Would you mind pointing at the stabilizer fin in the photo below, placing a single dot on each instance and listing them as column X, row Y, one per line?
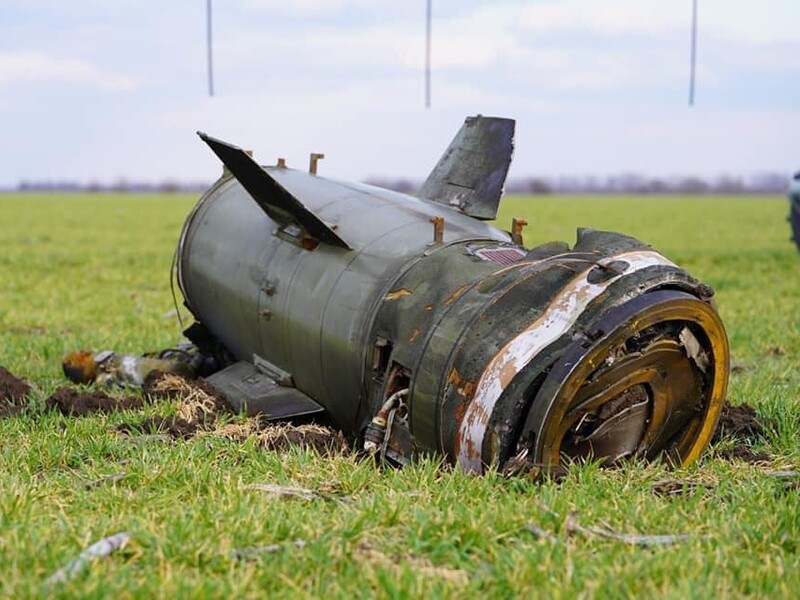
column 471, row 173
column 249, row 390
column 279, row 204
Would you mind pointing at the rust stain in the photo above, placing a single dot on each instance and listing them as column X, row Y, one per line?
column 454, row 377
column 414, row 334
column 456, row 293
column 460, row 411
column 428, row 307
column 467, row 390
column 507, row 372
column 397, row 294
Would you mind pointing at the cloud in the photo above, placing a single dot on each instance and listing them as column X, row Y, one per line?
column 304, row 8
column 20, row 67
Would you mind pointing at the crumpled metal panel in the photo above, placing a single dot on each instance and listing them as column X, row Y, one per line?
column 471, row 173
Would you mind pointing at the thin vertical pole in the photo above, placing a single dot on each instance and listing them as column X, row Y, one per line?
column 693, row 59
column 428, row 54
column 209, row 49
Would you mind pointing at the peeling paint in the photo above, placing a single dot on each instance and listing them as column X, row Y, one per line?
column 456, row 293
column 414, row 334
column 517, row 353
column 397, row 294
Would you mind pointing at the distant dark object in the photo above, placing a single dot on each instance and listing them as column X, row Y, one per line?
column 794, row 208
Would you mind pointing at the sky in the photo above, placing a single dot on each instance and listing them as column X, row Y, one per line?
column 98, row 90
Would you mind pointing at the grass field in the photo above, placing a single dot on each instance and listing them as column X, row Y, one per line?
column 93, row 272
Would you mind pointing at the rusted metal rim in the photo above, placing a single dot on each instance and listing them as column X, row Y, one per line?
column 649, row 381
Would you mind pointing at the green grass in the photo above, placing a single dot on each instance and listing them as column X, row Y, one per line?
column 93, row 272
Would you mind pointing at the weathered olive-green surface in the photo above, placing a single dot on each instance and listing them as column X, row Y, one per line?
column 92, row 271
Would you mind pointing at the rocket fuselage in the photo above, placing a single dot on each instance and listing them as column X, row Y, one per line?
column 472, row 325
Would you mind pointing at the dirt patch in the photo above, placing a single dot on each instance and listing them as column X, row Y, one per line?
column 76, row 403
column 744, row 426
column 13, row 392
column 175, row 427
column 199, row 401
column 162, row 385
column 739, row 422
column 280, row 436
column 200, row 406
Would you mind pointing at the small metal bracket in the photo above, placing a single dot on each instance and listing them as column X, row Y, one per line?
column 313, row 160
column 438, row 229
column 517, row 225
column 280, row 376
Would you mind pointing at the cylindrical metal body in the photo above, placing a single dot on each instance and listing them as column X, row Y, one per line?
column 472, row 325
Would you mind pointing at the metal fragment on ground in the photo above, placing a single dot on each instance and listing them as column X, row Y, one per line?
column 99, row 549
column 636, row 539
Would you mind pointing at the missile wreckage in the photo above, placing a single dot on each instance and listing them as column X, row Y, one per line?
column 418, row 328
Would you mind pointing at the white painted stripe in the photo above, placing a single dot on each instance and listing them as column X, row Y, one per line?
column 561, row 314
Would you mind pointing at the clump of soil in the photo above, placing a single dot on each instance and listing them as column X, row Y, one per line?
column 173, row 426
column 745, row 427
column 280, row 436
column 199, row 401
column 740, row 422
column 200, row 406
column 75, row 403
column 13, row 391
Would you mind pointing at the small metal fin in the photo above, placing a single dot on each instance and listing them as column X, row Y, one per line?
column 250, row 391
column 271, row 196
column 471, row 173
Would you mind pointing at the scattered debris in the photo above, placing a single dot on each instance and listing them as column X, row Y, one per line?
column 571, row 526
column 256, row 552
column 636, row 539
column 99, row 549
column 677, row 487
column 418, row 564
column 13, row 392
column 200, row 405
column 76, row 403
column 109, row 369
column 776, row 351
